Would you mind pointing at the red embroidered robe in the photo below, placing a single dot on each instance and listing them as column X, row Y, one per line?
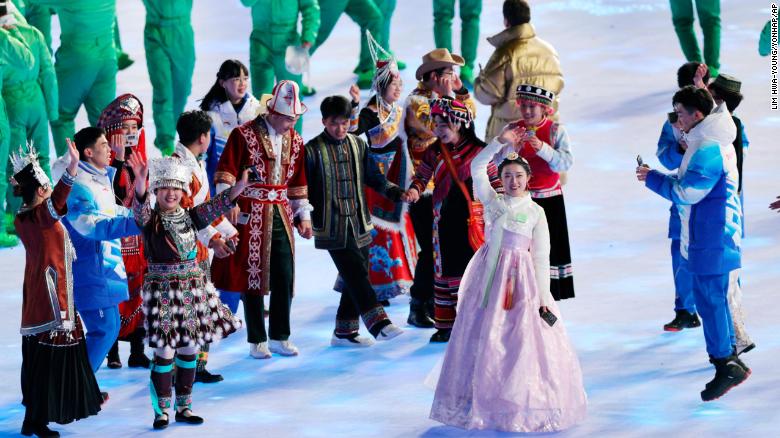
column 248, row 270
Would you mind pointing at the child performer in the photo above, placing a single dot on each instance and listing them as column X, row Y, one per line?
column 57, row 380
column 545, row 145
column 509, row 365
column 182, row 309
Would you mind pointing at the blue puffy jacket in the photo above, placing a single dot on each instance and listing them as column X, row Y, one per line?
column 95, row 224
column 705, row 193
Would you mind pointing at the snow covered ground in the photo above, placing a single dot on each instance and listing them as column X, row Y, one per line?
column 619, row 59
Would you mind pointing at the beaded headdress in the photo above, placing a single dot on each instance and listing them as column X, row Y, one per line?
column 169, row 172
column 535, row 94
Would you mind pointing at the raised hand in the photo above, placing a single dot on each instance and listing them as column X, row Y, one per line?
column 698, row 77
column 354, row 93
column 457, row 83
column 117, row 143
column 141, row 171
column 73, row 153
column 511, row 135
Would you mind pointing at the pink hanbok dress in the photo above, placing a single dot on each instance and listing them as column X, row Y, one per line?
column 505, row 368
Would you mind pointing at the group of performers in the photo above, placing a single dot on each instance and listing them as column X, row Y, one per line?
column 404, row 195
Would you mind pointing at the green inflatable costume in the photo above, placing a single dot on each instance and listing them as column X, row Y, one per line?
column 709, row 19
column 30, row 95
column 367, row 15
column 12, row 53
column 443, row 13
column 274, row 27
column 170, row 57
column 86, row 62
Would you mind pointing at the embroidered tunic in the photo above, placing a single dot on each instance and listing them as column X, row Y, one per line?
column 282, row 187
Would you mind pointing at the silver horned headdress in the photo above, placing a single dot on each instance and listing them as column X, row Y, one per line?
column 26, row 163
column 169, row 172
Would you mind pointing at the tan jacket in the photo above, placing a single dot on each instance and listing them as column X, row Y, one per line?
column 520, row 58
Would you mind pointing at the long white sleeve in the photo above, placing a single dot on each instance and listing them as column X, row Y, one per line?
column 479, row 175
column 558, row 155
column 540, row 253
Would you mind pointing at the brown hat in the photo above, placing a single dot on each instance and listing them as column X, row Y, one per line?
column 437, row 59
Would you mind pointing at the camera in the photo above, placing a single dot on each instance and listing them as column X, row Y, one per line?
column 672, row 116
column 131, row 140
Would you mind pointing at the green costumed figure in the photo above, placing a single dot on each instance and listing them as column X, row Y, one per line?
column 37, row 16
column 367, row 15
column 764, row 41
column 12, row 53
column 86, row 62
column 386, row 8
column 274, row 27
column 443, row 13
column 123, row 59
column 30, row 95
column 170, row 57
column 709, row 20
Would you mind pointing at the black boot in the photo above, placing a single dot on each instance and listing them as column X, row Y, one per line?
column 113, row 357
column 728, row 374
column 137, row 357
column 38, row 429
column 161, row 421
column 418, row 316
column 441, row 336
column 204, row 376
column 186, row 416
column 682, row 320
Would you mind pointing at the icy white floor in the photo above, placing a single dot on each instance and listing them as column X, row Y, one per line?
column 620, row 58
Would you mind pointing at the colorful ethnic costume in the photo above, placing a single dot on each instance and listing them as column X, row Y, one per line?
column 418, row 126
column 505, row 367
column 554, row 157
column 182, row 309
column 58, row 383
column 336, row 171
column 269, row 208
column 125, row 108
column 451, row 210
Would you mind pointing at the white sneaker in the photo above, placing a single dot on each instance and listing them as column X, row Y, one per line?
column 285, row 348
column 260, row 351
column 388, row 332
column 356, row 342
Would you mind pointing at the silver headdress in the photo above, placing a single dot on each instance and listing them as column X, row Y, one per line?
column 169, row 172
column 386, row 68
column 26, row 164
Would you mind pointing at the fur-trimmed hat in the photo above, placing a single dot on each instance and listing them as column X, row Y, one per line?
column 286, row 100
column 535, row 93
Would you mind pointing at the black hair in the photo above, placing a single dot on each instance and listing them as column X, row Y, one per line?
column 229, row 69
column 732, row 100
column 519, row 160
column 191, row 125
column 86, row 138
column 427, row 75
column 694, row 99
column 686, row 73
column 336, row 106
column 516, row 12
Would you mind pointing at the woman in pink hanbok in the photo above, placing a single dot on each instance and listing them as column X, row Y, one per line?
column 509, row 365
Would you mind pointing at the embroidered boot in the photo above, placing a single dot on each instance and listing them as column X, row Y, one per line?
column 160, row 388
column 185, row 378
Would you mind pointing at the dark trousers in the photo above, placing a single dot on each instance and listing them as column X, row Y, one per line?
column 422, row 221
column 281, row 292
column 358, row 297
